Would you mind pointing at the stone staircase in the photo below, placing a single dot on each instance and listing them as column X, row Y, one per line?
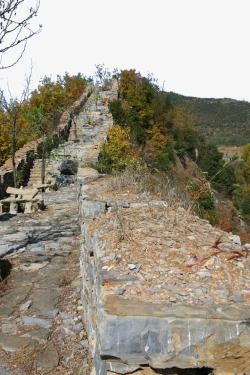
column 92, row 120
column 35, row 173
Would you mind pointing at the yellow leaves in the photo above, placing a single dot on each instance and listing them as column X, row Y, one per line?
column 118, row 151
column 50, row 99
column 5, row 137
column 119, row 144
column 157, row 140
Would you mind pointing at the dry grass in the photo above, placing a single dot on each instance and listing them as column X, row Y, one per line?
column 153, row 186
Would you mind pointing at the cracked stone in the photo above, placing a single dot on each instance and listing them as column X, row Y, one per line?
column 32, row 321
column 48, row 359
column 14, row 343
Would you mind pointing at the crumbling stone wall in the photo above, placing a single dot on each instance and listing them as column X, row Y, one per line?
column 32, row 150
column 135, row 333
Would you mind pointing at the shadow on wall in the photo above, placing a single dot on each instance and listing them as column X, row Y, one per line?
column 190, row 371
column 5, row 268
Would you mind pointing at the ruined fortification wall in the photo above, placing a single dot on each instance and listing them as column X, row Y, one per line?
column 142, row 308
column 32, row 150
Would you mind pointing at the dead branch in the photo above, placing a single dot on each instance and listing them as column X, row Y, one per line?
column 15, row 28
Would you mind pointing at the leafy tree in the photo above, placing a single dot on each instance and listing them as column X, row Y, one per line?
column 246, row 160
column 12, row 109
column 241, row 199
column 156, row 128
column 19, row 118
column 186, row 136
column 44, row 128
column 220, row 173
column 5, row 136
column 118, row 152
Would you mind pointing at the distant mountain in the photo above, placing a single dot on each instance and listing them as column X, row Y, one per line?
column 222, row 121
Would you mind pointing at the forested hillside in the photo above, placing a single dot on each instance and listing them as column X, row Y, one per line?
column 223, row 121
column 158, row 141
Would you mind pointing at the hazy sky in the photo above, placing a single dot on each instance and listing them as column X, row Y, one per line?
column 198, row 47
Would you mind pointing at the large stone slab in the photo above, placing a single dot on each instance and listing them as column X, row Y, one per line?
column 12, row 344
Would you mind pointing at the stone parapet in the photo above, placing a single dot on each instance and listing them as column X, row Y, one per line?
column 150, row 304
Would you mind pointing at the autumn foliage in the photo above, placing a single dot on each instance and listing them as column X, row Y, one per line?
column 154, row 128
column 41, row 113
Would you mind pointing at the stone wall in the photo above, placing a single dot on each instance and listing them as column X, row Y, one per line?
column 32, row 150
column 132, row 323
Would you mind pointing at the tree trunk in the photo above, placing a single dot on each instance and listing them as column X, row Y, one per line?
column 13, row 150
column 43, row 167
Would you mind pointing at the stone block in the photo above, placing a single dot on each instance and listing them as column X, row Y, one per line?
column 13, row 208
column 91, row 209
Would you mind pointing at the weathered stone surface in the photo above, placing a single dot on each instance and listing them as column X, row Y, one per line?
column 9, row 327
column 92, row 208
column 14, row 343
column 156, row 293
column 25, row 306
column 10, row 300
column 4, row 371
column 48, row 359
column 45, row 301
column 170, row 342
column 41, row 335
column 32, row 321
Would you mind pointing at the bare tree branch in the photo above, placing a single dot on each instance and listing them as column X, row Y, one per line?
column 16, row 61
column 16, row 28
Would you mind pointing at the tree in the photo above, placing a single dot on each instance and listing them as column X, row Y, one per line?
column 246, row 159
column 221, row 174
column 13, row 110
column 118, row 153
column 44, row 128
column 15, row 27
column 102, row 75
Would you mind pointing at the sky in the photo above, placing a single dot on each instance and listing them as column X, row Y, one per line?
column 193, row 47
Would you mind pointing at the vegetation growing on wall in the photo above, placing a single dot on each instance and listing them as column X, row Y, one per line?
column 154, row 128
column 40, row 114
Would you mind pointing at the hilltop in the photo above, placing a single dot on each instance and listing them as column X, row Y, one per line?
column 223, row 121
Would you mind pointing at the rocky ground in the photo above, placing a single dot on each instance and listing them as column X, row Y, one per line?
column 193, row 262
column 41, row 328
column 40, row 310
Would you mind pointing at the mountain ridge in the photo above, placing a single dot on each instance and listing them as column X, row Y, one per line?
column 223, row 121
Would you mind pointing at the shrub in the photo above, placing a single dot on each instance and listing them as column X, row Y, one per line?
column 241, row 200
column 117, row 152
column 220, row 173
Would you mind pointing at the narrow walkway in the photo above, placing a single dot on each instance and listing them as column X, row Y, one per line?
column 40, row 310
